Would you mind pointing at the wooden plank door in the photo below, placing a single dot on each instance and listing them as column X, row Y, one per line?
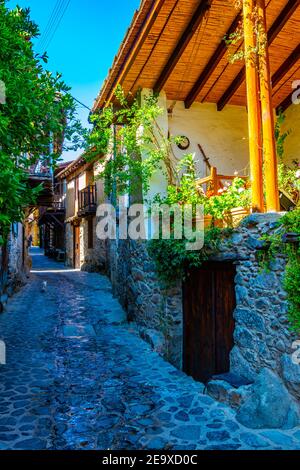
column 209, row 302
column 76, row 251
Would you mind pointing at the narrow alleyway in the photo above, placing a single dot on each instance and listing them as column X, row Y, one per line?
column 78, row 377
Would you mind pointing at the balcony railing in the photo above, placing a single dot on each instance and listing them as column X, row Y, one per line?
column 211, row 184
column 40, row 170
column 87, row 201
column 59, row 202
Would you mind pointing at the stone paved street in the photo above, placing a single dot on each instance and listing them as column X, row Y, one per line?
column 78, row 377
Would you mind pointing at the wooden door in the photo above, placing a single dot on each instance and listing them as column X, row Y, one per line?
column 209, row 302
column 76, row 240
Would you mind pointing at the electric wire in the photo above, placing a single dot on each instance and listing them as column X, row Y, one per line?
column 49, row 26
column 53, row 24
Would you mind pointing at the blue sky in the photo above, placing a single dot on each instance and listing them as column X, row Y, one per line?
column 85, row 43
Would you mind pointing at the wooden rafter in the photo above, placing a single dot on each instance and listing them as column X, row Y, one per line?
column 211, row 65
column 146, row 28
column 184, row 41
column 286, row 66
column 273, row 32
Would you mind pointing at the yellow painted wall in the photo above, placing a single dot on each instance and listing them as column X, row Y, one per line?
column 292, row 143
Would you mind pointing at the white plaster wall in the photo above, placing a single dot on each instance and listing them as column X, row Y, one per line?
column 82, row 181
column 158, row 183
column 70, row 199
column 223, row 135
column 101, row 197
column 15, row 249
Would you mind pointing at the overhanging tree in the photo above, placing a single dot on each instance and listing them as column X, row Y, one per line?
column 38, row 109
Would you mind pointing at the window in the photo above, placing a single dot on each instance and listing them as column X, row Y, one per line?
column 90, row 233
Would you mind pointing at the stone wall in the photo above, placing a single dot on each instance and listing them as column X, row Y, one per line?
column 157, row 313
column 69, row 245
column 18, row 266
column 92, row 259
column 262, row 335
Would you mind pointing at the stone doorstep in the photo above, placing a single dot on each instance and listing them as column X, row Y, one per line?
column 234, row 380
column 223, row 392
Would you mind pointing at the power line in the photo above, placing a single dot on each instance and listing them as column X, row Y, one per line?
column 50, row 23
column 57, row 26
column 55, row 19
column 82, row 104
column 60, row 4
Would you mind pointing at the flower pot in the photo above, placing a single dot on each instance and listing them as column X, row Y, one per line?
column 236, row 215
column 207, row 219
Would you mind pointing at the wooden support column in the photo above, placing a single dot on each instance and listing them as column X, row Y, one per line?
column 268, row 126
column 254, row 121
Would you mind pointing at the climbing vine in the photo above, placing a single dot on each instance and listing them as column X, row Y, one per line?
column 288, row 175
column 129, row 133
column 286, row 240
column 172, row 258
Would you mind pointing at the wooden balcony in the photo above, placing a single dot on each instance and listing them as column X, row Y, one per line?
column 40, row 174
column 87, row 201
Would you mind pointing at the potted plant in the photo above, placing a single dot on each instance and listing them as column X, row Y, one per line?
column 231, row 204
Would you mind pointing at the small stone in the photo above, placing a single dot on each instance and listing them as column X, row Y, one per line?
column 232, row 426
column 8, row 437
column 249, row 318
column 219, row 390
column 218, row 435
column 253, row 440
column 197, row 411
column 255, row 243
column 187, row 432
column 182, row 416
column 107, row 421
column 156, row 443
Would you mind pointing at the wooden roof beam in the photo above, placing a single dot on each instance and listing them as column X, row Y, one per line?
column 135, row 49
column 211, row 65
column 286, row 66
column 273, row 32
column 203, row 7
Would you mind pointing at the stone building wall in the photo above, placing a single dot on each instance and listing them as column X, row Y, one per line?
column 17, row 270
column 18, row 266
column 262, row 335
column 92, row 259
column 69, row 245
column 157, row 313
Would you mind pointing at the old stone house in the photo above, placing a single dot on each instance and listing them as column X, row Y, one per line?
column 83, row 195
column 51, row 219
column 228, row 319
